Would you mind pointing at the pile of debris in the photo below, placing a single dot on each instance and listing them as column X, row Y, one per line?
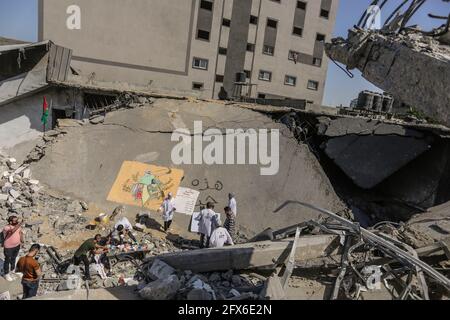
column 357, row 261
column 61, row 275
column 162, row 282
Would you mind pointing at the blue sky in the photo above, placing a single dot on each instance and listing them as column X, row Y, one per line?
column 18, row 19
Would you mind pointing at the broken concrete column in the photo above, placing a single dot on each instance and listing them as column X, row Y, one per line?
column 412, row 67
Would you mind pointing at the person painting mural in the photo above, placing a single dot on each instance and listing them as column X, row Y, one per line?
column 167, row 208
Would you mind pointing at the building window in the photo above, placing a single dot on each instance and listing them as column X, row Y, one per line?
column 317, row 62
column 207, row 5
column 320, row 37
column 301, row 5
column 261, row 96
column 290, row 81
column 248, row 74
column 250, row 47
column 198, row 63
column 202, row 34
column 298, row 31
column 265, row 75
column 325, row 13
column 293, row 55
column 219, row 78
column 313, row 85
column 272, row 23
column 253, row 19
column 223, row 51
column 276, row 1
column 197, row 86
column 269, row 50
column 226, row 22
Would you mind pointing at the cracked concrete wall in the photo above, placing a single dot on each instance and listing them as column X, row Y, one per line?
column 370, row 151
column 86, row 162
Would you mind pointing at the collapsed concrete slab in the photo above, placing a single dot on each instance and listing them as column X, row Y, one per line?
column 86, row 161
column 371, row 151
column 253, row 255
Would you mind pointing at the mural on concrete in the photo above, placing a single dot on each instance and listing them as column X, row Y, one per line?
column 143, row 185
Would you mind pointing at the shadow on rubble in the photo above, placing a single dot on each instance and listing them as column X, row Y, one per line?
column 182, row 243
column 151, row 223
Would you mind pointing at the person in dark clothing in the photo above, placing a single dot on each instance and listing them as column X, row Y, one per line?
column 81, row 255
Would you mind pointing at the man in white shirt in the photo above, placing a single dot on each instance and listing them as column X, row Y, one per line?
column 208, row 222
column 122, row 231
column 167, row 208
column 232, row 203
column 125, row 223
column 220, row 237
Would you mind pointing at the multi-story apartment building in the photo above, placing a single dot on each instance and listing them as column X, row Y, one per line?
column 198, row 46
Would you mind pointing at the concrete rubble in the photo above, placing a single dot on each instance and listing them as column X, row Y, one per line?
column 409, row 63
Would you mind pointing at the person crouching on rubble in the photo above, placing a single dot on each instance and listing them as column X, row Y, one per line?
column 122, row 232
column 167, row 208
column 208, row 222
column 90, row 246
column 220, row 237
column 122, row 235
column 31, row 271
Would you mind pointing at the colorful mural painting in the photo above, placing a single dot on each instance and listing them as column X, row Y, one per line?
column 143, row 185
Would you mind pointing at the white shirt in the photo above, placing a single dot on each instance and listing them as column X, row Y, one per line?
column 168, row 210
column 233, row 205
column 219, row 238
column 208, row 221
column 125, row 223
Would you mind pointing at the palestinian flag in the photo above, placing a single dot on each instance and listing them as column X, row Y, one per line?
column 44, row 112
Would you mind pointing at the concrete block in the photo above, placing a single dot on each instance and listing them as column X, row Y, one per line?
column 72, row 283
column 163, row 289
column 160, row 270
column 15, row 194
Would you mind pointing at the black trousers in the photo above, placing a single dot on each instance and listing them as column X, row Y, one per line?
column 204, row 241
column 10, row 259
column 167, row 225
column 85, row 260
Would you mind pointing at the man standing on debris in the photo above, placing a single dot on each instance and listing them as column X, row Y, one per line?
column 232, row 203
column 167, row 209
column 208, row 222
column 81, row 255
column 220, row 237
column 31, row 272
column 12, row 240
column 230, row 222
